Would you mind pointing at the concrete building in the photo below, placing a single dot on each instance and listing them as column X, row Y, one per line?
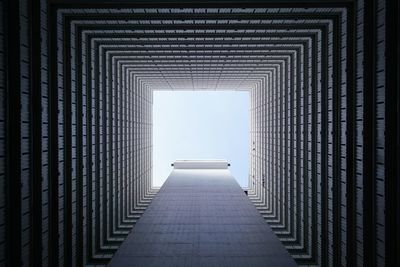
column 201, row 217
column 76, row 83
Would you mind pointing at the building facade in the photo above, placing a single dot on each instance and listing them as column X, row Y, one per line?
column 76, row 89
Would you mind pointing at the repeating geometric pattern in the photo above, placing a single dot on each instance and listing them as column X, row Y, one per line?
column 76, row 86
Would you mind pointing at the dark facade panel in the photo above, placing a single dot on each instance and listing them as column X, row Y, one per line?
column 358, row 135
column 2, row 138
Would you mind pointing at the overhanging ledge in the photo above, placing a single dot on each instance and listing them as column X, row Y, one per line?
column 200, row 164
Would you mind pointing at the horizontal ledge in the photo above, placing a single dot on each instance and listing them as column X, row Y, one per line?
column 200, row 164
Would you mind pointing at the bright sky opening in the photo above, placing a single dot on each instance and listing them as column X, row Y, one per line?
column 200, row 125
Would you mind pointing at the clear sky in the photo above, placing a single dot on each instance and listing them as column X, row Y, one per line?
column 200, row 125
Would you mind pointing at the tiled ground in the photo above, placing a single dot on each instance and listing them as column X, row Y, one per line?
column 201, row 218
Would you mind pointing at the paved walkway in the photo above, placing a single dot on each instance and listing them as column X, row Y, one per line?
column 201, row 218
